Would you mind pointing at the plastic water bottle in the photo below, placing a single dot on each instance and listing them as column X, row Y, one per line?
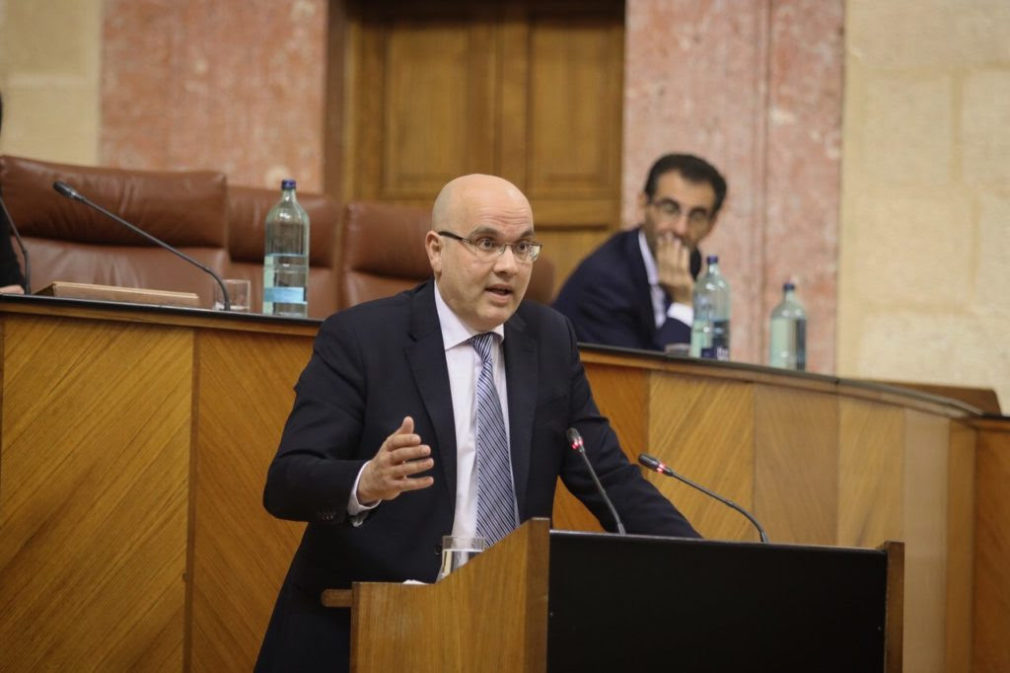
column 710, row 329
column 286, row 258
column 788, row 342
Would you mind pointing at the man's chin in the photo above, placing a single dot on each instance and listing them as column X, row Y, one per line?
column 492, row 316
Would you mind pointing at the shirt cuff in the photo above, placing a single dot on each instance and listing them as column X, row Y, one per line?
column 681, row 312
column 355, row 508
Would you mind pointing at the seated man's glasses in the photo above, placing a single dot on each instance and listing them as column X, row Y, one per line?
column 487, row 248
column 671, row 210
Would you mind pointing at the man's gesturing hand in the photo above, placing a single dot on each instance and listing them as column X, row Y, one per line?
column 673, row 266
column 389, row 473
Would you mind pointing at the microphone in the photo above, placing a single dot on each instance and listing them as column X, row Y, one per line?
column 21, row 244
column 656, row 464
column 66, row 190
column 575, row 443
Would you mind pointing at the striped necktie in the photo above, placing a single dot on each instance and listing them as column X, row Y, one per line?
column 497, row 514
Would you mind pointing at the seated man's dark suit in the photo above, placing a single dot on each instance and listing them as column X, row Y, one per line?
column 372, row 365
column 609, row 301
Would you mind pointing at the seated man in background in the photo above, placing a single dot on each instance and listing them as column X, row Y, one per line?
column 441, row 410
column 635, row 290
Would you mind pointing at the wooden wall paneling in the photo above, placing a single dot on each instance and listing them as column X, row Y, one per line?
column 621, row 393
column 991, row 616
column 796, row 464
column 926, row 543
column 960, row 545
column 704, row 429
column 574, row 109
column 871, row 474
column 93, row 499
column 528, row 90
column 437, row 98
column 240, row 552
column 511, row 145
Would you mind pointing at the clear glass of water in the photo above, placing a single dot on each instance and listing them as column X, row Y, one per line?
column 457, row 550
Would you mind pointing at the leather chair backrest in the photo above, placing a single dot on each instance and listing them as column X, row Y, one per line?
column 69, row 241
column 382, row 252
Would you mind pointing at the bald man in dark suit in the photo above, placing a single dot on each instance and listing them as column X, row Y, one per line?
column 380, row 453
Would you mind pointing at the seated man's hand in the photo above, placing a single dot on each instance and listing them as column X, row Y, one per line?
column 12, row 289
column 673, row 264
column 391, row 471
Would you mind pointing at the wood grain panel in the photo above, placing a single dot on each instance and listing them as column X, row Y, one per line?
column 926, row 544
column 240, row 552
column 960, row 543
column 93, row 499
column 796, row 470
column 444, row 627
column 871, row 476
column 438, row 75
column 620, row 394
column 992, row 548
column 705, row 431
column 575, row 66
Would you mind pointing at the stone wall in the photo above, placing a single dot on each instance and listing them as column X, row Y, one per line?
column 924, row 281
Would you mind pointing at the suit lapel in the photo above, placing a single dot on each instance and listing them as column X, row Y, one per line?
column 521, row 376
column 426, row 355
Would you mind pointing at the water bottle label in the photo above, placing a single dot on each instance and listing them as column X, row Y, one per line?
column 284, row 295
column 715, row 353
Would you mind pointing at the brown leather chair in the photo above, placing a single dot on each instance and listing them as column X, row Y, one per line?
column 381, row 253
column 69, row 241
column 219, row 225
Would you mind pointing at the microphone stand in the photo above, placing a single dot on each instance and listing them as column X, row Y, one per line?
column 66, row 190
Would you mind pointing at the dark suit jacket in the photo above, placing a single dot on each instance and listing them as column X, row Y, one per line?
column 609, row 301
column 10, row 268
column 372, row 365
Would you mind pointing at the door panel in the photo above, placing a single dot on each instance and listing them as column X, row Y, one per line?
column 531, row 91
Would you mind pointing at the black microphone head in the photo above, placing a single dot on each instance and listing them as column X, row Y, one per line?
column 650, row 462
column 574, row 439
column 66, row 190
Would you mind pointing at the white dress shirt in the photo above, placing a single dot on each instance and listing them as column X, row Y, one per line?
column 464, row 364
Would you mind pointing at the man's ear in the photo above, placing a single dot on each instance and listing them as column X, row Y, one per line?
column 711, row 227
column 433, row 246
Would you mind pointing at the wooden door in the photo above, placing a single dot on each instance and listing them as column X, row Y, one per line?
column 529, row 90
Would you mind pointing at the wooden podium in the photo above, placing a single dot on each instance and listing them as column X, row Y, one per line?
column 545, row 600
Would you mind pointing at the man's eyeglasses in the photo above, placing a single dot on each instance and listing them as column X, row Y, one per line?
column 487, row 248
column 671, row 210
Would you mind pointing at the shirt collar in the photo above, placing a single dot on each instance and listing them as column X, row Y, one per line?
column 454, row 331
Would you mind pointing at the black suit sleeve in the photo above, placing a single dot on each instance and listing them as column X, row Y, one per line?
column 603, row 313
column 320, row 454
column 10, row 268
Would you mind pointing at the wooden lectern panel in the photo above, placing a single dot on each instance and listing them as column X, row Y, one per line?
column 93, row 495
column 245, row 395
column 496, row 603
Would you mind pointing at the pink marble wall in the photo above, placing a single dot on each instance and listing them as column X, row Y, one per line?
column 231, row 85
column 754, row 87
